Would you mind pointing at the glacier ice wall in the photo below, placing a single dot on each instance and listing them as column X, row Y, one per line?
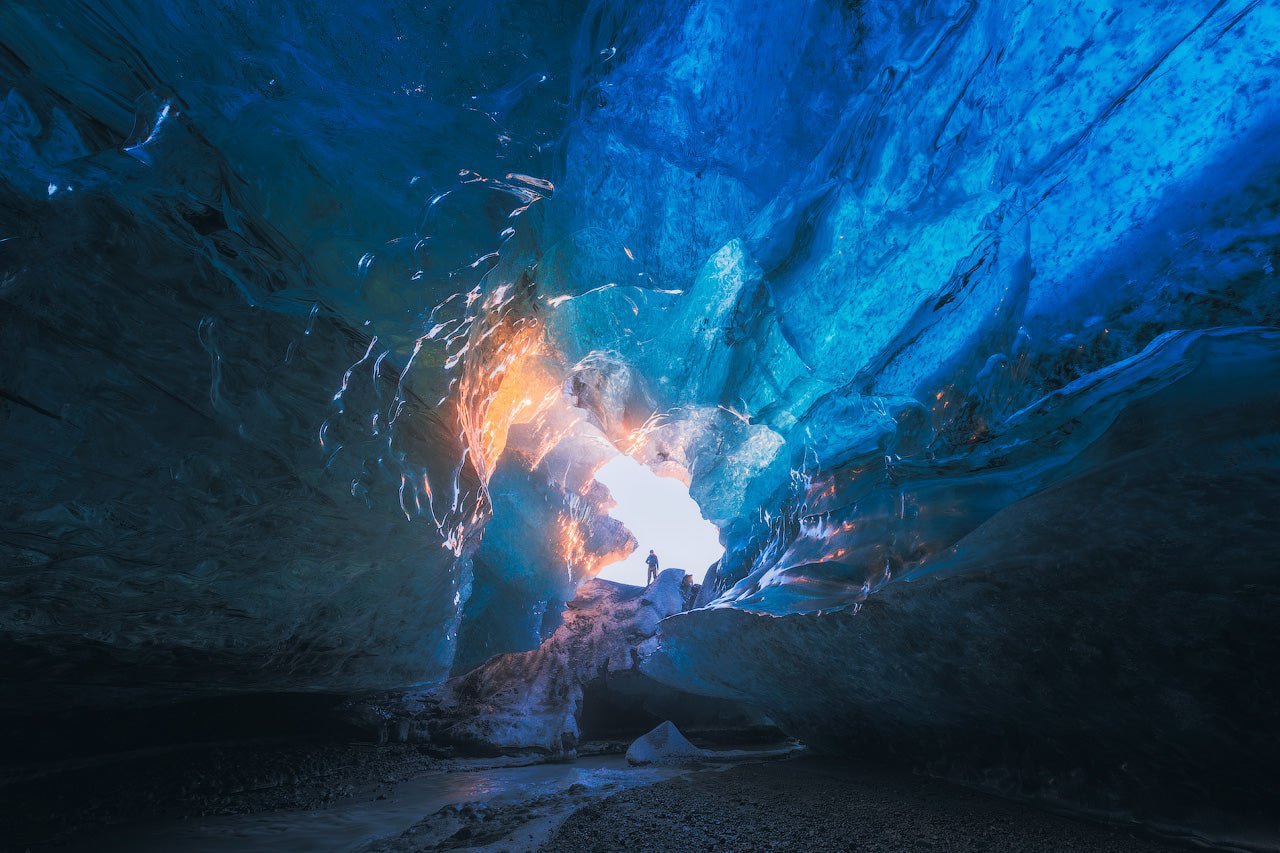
column 957, row 317
column 967, row 207
column 974, row 369
column 236, row 460
column 1106, row 641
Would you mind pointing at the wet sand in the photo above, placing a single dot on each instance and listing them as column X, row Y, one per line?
column 812, row 805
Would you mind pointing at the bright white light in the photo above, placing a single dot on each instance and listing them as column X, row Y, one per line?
column 662, row 516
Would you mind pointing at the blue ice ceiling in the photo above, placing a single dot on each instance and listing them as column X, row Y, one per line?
column 319, row 319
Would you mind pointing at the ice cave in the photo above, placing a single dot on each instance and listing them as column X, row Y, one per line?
column 357, row 354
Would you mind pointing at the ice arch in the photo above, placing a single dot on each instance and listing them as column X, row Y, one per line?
column 661, row 515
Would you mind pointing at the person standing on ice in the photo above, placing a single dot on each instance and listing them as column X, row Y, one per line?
column 652, row 562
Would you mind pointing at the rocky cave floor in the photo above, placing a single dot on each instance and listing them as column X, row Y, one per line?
column 50, row 807
column 806, row 803
column 814, row 804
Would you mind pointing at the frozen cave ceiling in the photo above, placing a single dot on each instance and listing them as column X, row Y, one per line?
column 958, row 317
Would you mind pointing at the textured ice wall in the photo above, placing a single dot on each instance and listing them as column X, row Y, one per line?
column 966, row 295
column 549, row 532
column 963, row 208
column 533, row 701
column 238, row 247
column 300, row 301
column 1107, row 641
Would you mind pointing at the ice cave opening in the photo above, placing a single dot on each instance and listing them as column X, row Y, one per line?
column 662, row 516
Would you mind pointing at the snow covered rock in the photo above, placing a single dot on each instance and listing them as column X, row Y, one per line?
column 662, row 745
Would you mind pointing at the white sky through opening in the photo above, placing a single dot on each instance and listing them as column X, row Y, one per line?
column 662, row 516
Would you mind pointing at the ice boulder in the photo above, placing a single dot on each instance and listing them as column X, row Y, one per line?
column 663, row 744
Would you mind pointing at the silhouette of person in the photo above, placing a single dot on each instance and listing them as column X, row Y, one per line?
column 652, row 562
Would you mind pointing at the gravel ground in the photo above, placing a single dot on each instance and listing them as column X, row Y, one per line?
column 41, row 808
column 818, row 805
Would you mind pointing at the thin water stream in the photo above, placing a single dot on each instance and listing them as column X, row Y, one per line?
column 352, row 824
